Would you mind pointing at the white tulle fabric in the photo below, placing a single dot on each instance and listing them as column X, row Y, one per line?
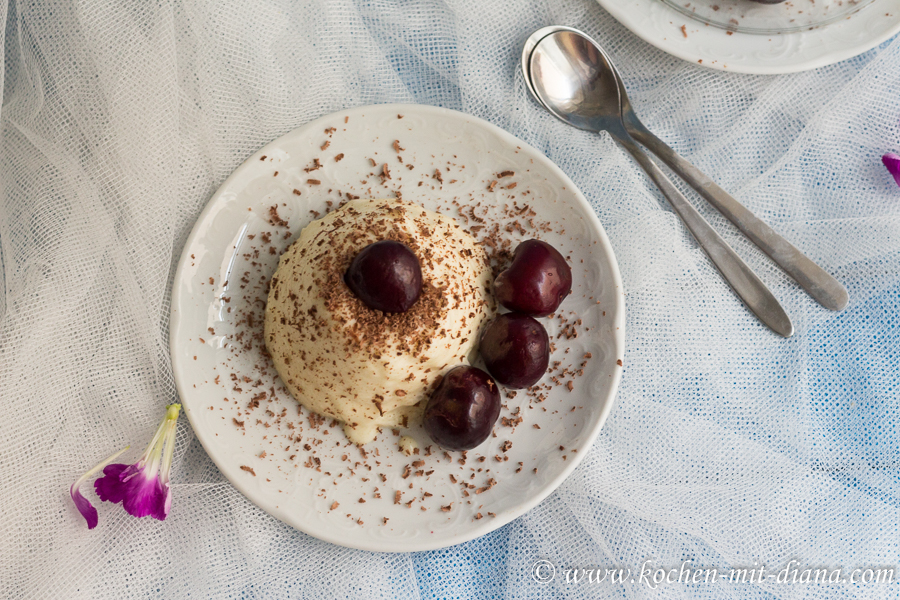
column 727, row 445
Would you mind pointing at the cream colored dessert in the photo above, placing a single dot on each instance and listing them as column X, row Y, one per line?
column 343, row 360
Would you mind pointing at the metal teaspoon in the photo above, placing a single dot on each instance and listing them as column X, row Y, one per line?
column 574, row 80
column 816, row 281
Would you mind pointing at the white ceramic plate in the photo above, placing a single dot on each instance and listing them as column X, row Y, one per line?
column 313, row 479
column 747, row 16
column 661, row 25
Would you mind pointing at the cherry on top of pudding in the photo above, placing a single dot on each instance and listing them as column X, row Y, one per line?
column 386, row 276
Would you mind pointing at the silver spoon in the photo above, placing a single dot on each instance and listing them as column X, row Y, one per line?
column 816, row 281
column 574, row 80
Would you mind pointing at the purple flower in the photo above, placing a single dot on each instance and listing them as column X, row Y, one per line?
column 892, row 162
column 142, row 488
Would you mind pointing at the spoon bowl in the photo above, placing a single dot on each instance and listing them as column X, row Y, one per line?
column 575, row 82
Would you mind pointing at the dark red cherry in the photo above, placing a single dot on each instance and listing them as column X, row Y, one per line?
column 537, row 280
column 386, row 276
column 515, row 349
column 463, row 409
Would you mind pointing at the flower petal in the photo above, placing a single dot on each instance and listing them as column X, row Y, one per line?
column 145, row 496
column 892, row 162
column 86, row 509
column 167, row 502
column 109, row 487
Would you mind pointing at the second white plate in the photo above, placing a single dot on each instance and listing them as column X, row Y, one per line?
column 664, row 27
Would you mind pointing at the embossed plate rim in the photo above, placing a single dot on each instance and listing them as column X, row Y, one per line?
column 187, row 295
column 660, row 25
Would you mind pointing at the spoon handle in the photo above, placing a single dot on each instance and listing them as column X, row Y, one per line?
column 749, row 288
column 814, row 279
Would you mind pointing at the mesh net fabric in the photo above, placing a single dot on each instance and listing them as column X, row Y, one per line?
column 727, row 445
